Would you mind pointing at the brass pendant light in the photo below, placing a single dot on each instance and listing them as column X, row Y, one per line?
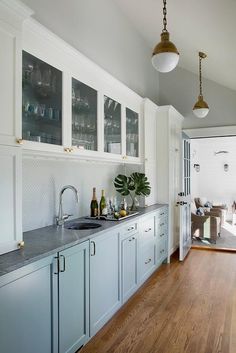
column 201, row 108
column 165, row 55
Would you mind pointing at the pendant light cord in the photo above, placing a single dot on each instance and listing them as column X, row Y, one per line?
column 200, row 75
column 164, row 17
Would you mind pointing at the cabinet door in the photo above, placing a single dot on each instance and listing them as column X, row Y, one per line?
column 112, row 126
column 146, row 260
column 73, row 297
column 132, row 133
column 128, row 266
column 28, row 311
column 104, row 279
column 84, row 116
column 10, row 84
column 41, row 101
column 10, row 200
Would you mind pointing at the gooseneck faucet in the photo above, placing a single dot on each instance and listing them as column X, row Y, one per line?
column 60, row 219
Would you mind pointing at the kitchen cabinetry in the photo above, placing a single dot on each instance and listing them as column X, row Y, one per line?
column 150, row 148
column 10, row 201
column 64, row 299
column 105, row 296
column 28, row 312
column 132, row 133
column 169, row 145
column 84, row 116
column 99, row 116
column 41, row 101
column 129, row 276
column 161, row 226
column 146, row 248
column 73, row 282
column 11, row 20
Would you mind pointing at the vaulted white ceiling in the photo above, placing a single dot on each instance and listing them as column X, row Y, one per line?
column 194, row 25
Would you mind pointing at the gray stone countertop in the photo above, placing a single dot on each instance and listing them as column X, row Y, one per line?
column 46, row 241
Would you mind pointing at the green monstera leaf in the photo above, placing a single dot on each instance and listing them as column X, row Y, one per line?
column 124, row 184
column 141, row 183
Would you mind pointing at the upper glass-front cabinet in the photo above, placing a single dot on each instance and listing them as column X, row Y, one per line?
column 41, row 101
column 84, row 116
column 132, row 133
column 112, row 126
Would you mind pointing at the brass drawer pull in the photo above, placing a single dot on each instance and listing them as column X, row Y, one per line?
column 19, row 141
column 161, row 224
column 148, row 261
column 133, row 238
column 162, row 235
column 21, row 244
column 131, row 228
column 147, row 230
column 163, row 250
column 162, row 214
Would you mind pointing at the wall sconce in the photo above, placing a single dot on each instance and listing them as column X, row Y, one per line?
column 226, row 167
column 197, row 167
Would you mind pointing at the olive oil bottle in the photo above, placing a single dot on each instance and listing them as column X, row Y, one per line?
column 94, row 205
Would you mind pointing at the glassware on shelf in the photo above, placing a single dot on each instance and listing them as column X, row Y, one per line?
column 84, row 116
column 112, row 126
column 132, row 133
column 41, row 101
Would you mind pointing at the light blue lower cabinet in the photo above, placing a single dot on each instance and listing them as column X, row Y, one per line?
column 161, row 251
column 105, row 298
column 129, row 276
column 73, row 298
column 146, row 260
column 28, row 309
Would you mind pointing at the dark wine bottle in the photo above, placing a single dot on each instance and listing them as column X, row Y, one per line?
column 94, row 205
column 103, row 205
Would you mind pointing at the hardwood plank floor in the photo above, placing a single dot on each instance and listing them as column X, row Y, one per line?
column 185, row 307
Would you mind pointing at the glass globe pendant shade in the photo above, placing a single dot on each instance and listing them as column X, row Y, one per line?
column 165, row 55
column 200, row 108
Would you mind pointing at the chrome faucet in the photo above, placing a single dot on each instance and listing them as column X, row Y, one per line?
column 60, row 220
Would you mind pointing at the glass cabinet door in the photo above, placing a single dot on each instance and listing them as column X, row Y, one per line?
column 112, row 126
column 84, row 116
column 41, row 101
column 132, row 133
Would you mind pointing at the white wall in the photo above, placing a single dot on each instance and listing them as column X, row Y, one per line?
column 180, row 88
column 212, row 181
column 43, row 180
column 102, row 32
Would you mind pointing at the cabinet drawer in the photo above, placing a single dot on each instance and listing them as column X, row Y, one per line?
column 147, row 229
column 162, row 232
column 146, row 260
column 128, row 229
column 162, row 213
column 161, row 250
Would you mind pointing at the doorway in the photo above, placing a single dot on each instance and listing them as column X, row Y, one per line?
column 213, row 192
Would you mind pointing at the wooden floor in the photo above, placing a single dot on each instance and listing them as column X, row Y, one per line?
column 184, row 307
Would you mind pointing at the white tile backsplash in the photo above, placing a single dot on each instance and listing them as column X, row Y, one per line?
column 43, row 180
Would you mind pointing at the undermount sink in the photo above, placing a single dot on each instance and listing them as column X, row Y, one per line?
column 83, row 226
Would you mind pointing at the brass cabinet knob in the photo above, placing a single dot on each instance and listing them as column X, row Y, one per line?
column 21, row 244
column 19, row 141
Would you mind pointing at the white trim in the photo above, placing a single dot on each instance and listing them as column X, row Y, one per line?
column 18, row 8
column 217, row 131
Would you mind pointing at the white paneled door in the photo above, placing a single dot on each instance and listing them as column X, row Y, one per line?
column 184, row 203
